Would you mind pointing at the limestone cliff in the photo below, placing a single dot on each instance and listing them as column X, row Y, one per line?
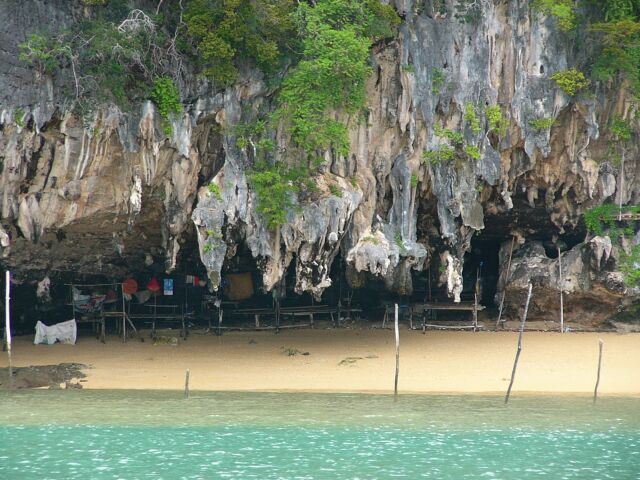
column 113, row 193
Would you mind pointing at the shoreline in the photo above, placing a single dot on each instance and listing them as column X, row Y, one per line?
column 352, row 361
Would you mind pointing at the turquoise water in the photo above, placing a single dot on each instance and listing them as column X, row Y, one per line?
column 159, row 435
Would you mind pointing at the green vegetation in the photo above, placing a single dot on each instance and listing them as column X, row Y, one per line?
column 630, row 266
column 371, row 239
column 116, row 55
column 353, row 181
column 472, row 151
column 562, row 10
column 620, row 132
column 414, row 180
column 254, row 134
column 400, row 243
column 43, row 54
column 620, row 129
column 619, row 37
column 602, row 217
column 442, row 153
column 471, row 118
column 450, row 150
column 220, row 33
column 320, row 50
column 570, row 81
column 167, row 99
column 409, row 68
column 276, row 187
column 454, row 137
column 18, row 117
column 497, row 122
column 437, row 80
column 541, row 124
column 602, row 220
column 468, row 11
column 214, row 190
column 335, row 190
column 213, row 234
column 336, row 37
column 614, row 29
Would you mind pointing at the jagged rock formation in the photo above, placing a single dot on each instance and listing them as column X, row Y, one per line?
column 101, row 196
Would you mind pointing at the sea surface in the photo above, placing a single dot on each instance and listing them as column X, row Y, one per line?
column 129, row 435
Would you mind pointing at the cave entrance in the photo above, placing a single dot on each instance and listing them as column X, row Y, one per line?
column 482, row 263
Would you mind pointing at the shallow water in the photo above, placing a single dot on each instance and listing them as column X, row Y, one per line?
column 145, row 434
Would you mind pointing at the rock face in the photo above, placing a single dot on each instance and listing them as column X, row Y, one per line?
column 105, row 195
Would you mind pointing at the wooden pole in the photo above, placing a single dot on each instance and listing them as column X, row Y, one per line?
column 515, row 362
column 504, row 289
column 186, row 384
column 621, row 184
column 395, row 385
column 7, row 325
column 595, row 390
column 560, row 284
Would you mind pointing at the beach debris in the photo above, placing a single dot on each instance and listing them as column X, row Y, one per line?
column 350, row 360
column 292, row 352
column 61, row 376
column 252, row 342
column 161, row 340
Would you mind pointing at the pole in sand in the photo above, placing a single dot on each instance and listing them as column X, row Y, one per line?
column 395, row 385
column 515, row 362
column 595, row 390
column 560, row 284
column 7, row 326
column 506, row 280
column 186, row 384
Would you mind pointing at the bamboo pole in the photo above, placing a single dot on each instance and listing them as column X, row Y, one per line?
column 7, row 326
column 560, row 284
column 186, row 384
column 504, row 289
column 595, row 390
column 395, row 385
column 515, row 362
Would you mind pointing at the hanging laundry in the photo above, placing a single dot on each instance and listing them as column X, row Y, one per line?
column 130, row 286
column 168, row 286
column 153, row 286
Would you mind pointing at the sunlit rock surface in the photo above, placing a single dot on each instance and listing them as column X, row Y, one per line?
column 108, row 193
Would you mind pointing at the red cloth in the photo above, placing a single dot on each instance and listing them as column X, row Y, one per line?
column 130, row 286
column 196, row 281
column 153, row 286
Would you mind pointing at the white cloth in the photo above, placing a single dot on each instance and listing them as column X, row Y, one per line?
column 64, row 332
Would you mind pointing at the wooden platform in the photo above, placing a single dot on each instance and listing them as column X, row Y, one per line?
column 309, row 311
column 424, row 308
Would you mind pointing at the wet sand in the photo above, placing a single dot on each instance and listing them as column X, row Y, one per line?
column 346, row 360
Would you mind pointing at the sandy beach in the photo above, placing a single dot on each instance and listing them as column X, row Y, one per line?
column 359, row 360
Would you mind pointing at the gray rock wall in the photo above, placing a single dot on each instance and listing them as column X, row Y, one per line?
column 101, row 195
